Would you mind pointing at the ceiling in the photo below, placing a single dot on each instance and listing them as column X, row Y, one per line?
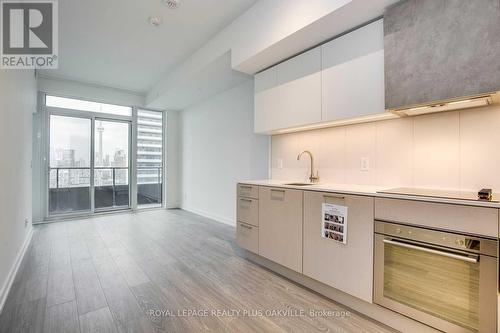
column 284, row 28
column 111, row 43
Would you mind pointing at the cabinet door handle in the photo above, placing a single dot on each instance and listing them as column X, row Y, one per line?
column 245, row 199
column 333, row 196
column 246, row 186
column 277, row 194
column 246, row 226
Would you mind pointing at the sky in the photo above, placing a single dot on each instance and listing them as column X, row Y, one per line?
column 74, row 133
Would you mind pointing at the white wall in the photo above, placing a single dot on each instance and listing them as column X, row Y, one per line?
column 17, row 104
column 454, row 150
column 68, row 88
column 172, row 157
column 218, row 149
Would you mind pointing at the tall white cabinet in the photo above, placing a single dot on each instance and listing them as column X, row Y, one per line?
column 339, row 80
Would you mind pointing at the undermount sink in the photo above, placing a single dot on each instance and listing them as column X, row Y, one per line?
column 301, row 184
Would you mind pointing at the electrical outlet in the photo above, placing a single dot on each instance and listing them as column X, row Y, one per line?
column 279, row 163
column 26, row 222
column 365, row 164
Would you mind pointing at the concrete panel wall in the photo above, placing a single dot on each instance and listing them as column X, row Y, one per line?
column 441, row 49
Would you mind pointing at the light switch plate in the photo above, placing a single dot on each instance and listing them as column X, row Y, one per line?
column 365, row 164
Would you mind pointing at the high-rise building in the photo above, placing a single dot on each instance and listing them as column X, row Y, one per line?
column 120, row 158
column 64, row 157
column 149, row 147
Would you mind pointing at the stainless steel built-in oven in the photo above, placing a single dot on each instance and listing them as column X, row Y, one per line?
column 446, row 280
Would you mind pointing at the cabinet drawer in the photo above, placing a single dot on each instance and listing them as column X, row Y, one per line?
column 474, row 220
column 249, row 191
column 247, row 236
column 248, row 211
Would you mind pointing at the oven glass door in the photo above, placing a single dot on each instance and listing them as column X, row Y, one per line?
column 443, row 286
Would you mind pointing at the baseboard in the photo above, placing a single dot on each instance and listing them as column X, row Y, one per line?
column 4, row 292
column 172, row 206
column 215, row 217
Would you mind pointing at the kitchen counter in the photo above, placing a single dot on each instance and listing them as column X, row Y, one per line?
column 265, row 215
column 367, row 190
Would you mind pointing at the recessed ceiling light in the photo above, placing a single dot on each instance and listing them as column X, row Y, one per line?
column 172, row 4
column 155, row 21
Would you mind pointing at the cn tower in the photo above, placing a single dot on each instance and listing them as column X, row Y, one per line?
column 100, row 129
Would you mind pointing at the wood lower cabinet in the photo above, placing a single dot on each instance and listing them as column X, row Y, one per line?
column 247, row 236
column 247, row 217
column 280, row 226
column 347, row 267
column 248, row 191
column 247, row 211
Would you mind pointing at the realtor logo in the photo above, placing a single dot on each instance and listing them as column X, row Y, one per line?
column 29, row 34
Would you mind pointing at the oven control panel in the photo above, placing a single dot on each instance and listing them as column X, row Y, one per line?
column 439, row 238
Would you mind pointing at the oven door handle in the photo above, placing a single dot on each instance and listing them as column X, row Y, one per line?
column 468, row 258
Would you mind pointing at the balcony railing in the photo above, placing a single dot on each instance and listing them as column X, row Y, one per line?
column 69, row 188
column 72, row 178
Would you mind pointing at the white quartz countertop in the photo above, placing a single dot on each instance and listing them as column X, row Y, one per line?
column 366, row 190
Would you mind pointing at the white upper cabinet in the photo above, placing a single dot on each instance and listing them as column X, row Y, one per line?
column 289, row 94
column 340, row 80
column 353, row 74
column 265, row 80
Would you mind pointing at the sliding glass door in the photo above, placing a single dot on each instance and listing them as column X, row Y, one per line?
column 111, row 164
column 99, row 157
column 69, row 165
column 89, row 164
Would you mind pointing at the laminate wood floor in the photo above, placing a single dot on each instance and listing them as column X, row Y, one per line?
column 158, row 271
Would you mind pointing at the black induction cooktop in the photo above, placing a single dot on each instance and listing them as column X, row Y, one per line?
column 436, row 193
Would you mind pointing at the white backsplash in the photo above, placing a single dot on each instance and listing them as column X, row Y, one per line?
column 455, row 150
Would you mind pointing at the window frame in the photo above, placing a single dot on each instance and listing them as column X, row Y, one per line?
column 163, row 204
column 43, row 154
column 88, row 101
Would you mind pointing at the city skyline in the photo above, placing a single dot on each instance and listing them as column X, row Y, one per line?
column 69, row 133
column 70, row 147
